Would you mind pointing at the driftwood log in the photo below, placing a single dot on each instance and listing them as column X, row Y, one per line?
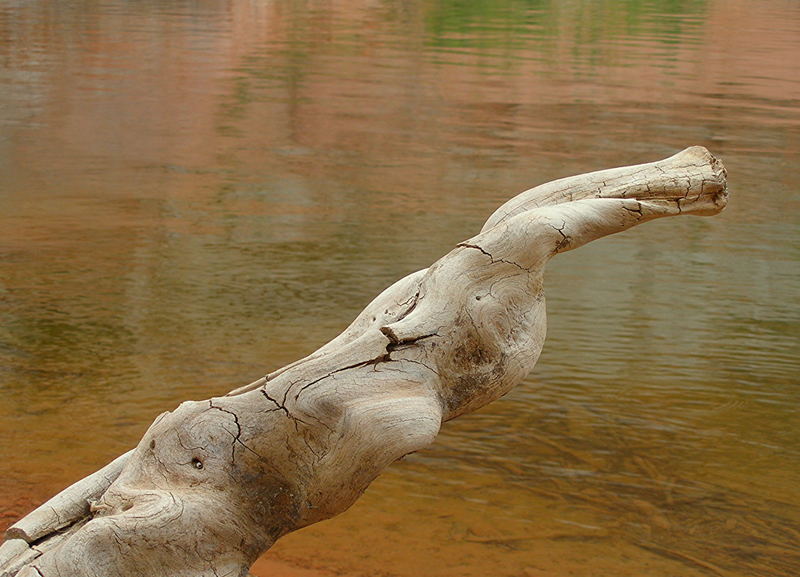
column 214, row 483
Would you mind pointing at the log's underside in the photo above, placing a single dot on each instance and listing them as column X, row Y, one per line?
column 214, row 483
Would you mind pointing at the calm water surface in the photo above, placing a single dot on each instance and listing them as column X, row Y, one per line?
column 193, row 193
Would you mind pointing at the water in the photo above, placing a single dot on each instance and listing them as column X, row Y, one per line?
column 192, row 194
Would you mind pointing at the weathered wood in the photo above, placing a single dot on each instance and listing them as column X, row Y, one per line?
column 69, row 506
column 214, row 483
column 11, row 549
column 17, row 558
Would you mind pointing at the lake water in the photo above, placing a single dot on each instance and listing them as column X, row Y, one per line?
column 194, row 193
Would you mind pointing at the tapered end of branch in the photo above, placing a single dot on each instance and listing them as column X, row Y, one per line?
column 692, row 181
column 706, row 180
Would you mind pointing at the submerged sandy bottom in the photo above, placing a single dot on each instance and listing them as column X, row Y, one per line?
column 270, row 567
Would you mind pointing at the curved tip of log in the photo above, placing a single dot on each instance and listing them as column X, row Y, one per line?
column 717, row 187
column 704, row 156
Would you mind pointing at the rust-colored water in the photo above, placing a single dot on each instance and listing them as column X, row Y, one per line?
column 192, row 194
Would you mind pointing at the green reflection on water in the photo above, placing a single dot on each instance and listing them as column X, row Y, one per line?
column 488, row 24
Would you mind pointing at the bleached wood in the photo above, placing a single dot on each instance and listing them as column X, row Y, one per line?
column 14, row 564
column 11, row 549
column 214, row 483
column 68, row 506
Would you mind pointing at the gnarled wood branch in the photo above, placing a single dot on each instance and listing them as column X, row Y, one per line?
column 214, row 483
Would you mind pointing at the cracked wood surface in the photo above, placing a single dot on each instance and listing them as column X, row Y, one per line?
column 214, row 483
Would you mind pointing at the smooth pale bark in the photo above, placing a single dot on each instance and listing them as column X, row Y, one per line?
column 214, row 483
